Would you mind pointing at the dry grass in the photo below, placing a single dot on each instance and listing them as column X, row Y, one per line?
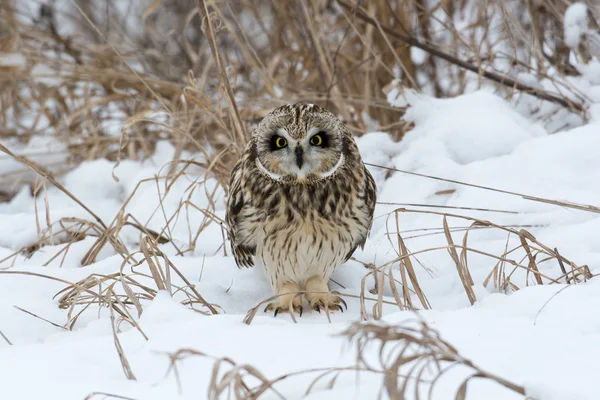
column 540, row 263
column 201, row 73
column 113, row 91
column 413, row 359
column 136, row 286
column 105, row 396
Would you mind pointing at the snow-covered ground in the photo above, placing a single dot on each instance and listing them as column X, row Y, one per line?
column 544, row 337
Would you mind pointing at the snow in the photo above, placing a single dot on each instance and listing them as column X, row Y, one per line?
column 592, row 71
column 543, row 337
column 440, row 122
column 575, row 24
column 104, row 184
column 44, row 74
column 45, row 151
column 14, row 60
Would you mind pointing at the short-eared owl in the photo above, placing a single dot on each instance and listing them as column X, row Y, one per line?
column 301, row 201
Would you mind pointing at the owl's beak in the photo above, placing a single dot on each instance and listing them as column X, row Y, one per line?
column 299, row 156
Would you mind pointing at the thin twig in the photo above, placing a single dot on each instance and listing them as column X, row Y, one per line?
column 47, row 175
column 567, row 204
column 38, row 317
column 207, row 28
column 5, row 338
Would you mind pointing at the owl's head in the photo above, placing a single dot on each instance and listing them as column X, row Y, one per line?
column 300, row 143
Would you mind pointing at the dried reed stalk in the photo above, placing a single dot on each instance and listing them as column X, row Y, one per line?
column 418, row 349
column 567, row 204
column 412, row 347
column 208, row 30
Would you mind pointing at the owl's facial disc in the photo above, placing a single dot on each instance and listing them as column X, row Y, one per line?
column 314, row 156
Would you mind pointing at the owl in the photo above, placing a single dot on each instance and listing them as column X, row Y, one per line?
column 300, row 202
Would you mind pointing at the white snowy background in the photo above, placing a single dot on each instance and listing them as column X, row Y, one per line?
column 544, row 337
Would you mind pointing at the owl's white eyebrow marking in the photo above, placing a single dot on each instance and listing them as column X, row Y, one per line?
column 283, row 132
column 311, row 132
column 270, row 174
column 327, row 174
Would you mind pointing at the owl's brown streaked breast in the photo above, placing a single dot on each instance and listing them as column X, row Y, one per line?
column 305, row 230
column 304, row 246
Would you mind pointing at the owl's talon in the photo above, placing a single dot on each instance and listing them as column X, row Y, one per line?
column 277, row 311
column 300, row 310
column 334, row 305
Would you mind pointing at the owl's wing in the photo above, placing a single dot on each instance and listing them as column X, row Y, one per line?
column 243, row 254
column 370, row 198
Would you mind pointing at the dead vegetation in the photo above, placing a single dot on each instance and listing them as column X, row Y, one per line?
column 416, row 358
column 200, row 74
column 111, row 82
column 413, row 360
column 523, row 256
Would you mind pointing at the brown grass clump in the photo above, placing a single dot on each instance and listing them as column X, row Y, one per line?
column 412, row 359
column 415, row 359
column 111, row 82
column 541, row 264
column 93, row 99
column 100, row 289
column 200, row 74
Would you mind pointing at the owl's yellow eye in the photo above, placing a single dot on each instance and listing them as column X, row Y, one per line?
column 316, row 140
column 280, row 142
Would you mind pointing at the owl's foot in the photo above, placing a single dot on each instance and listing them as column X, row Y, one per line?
column 288, row 296
column 319, row 297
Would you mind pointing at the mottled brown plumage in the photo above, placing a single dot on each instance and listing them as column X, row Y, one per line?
column 301, row 201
